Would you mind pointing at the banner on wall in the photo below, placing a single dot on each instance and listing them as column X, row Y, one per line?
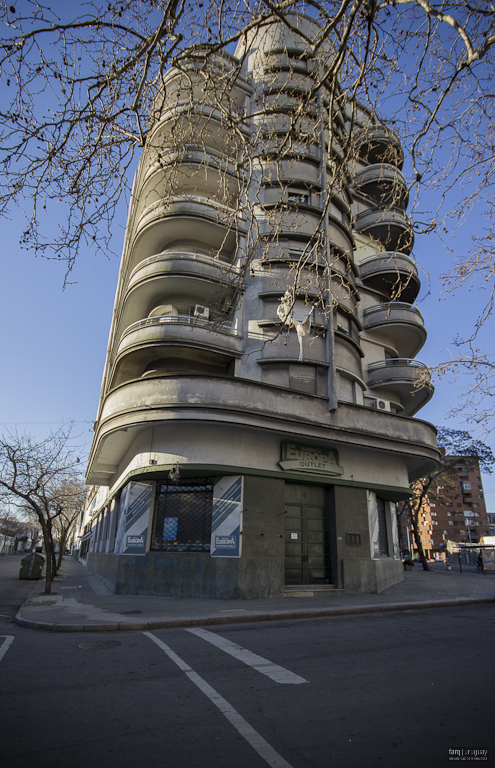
column 374, row 524
column 132, row 531
column 226, row 523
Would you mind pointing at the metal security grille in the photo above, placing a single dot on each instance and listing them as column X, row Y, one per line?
column 182, row 519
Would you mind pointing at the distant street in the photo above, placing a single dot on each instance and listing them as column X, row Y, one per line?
column 392, row 690
column 471, row 568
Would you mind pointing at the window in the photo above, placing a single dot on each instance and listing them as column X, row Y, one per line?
column 450, row 522
column 182, row 519
column 466, row 486
column 382, row 526
column 344, row 324
column 347, row 390
column 294, row 196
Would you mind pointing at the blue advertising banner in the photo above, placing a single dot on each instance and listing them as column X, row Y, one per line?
column 226, row 524
column 132, row 531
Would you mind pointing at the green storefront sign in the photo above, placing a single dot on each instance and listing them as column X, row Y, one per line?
column 304, row 457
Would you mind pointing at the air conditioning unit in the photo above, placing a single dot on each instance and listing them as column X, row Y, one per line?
column 383, row 405
column 201, row 311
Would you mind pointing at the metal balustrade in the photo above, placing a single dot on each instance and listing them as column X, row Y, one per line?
column 229, row 328
column 397, row 362
column 390, row 306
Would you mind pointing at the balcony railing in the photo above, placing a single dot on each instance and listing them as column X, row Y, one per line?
column 229, row 328
column 391, row 272
column 399, row 322
column 379, row 172
column 202, row 258
column 387, row 261
column 396, row 363
column 407, row 378
column 393, row 310
column 379, row 143
column 390, row 226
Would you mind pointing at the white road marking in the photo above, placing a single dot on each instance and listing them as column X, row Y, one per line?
column 5, row 645
column 273, row 671
column 253, row 738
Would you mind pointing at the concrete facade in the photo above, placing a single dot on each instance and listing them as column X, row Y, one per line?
column 260, row 370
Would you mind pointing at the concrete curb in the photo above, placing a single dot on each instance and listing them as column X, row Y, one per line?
column 243, row 619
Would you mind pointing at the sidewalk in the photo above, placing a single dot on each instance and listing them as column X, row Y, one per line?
column 82, row 603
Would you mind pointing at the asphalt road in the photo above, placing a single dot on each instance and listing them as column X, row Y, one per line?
column 388, row 690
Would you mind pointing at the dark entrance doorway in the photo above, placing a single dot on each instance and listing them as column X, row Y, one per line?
column 307, row 535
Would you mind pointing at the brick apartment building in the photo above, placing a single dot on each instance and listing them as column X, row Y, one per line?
column 459, row 513
column 455, row 510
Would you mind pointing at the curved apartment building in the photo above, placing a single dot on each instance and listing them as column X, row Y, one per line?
column 255, row 426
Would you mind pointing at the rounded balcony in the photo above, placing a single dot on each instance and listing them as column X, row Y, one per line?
column 379, row 144
column 400, row 323
column 185, row 121
column 207, row 79
column 181, row 329
column 304, row 149
column 409, row 379
column 291, row 80
column 391, row 227
column 384, row 184
column 174, row 336
column 190, row 221
column 279, row 120
column 190, row 170
column 171, row 274
column 281, row 219
column 290, row 172
column 394, row 274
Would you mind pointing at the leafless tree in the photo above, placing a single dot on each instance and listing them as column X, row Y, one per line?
column 69, row 503
column 83, row 91
column 40, row 476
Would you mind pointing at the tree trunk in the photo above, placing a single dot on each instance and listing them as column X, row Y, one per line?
column 49, row 567
column 418, row 542
column 48, row 545
column 63, row 542
column 54, row 561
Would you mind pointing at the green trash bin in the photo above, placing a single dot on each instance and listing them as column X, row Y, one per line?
column 32, row 566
